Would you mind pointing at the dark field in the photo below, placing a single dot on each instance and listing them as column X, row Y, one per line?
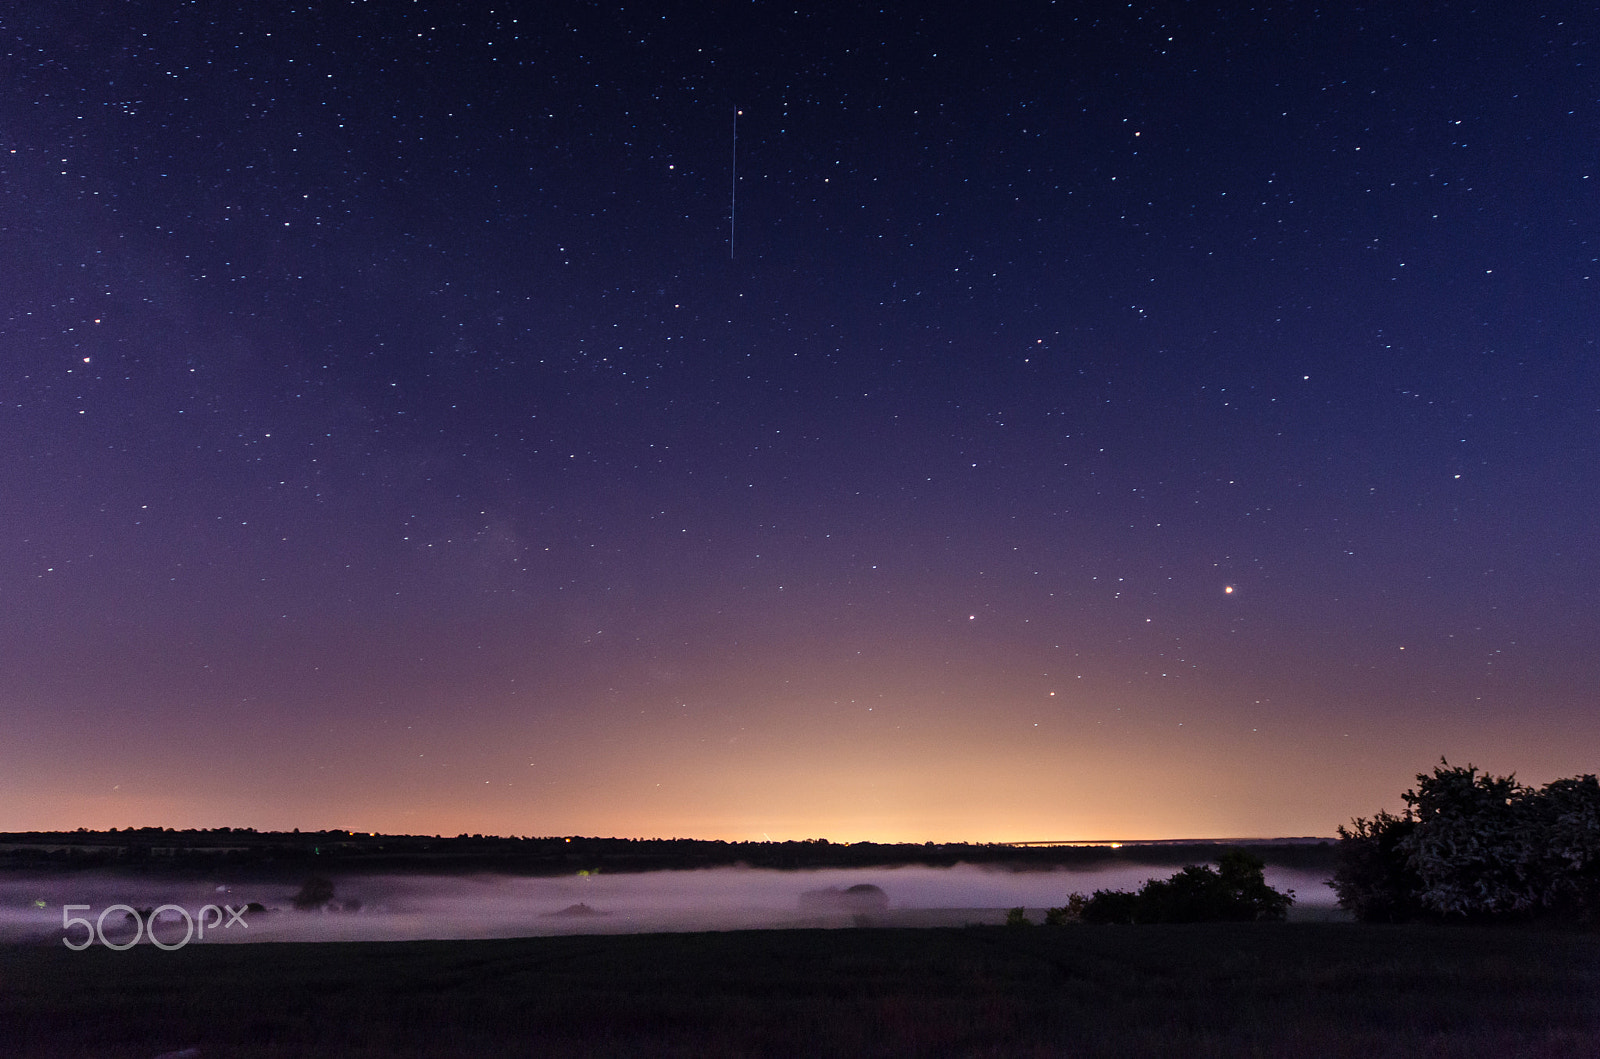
column 1298, row 989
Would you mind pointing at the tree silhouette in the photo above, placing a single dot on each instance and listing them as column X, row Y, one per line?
column 315, row 893
column 1472, row 846
column 1235, row 891
column 1373, row 878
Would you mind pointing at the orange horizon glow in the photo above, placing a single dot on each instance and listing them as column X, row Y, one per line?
column 879, row 750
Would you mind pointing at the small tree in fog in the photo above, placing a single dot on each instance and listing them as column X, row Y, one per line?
column 315, row 893
column 1244, row 878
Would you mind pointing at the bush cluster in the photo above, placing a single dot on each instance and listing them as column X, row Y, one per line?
column 1234, row 891
column 1471, row 846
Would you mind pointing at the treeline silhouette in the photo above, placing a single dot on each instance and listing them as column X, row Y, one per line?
column 155, row 849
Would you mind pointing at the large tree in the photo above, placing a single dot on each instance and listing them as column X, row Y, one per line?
column 1475, row 846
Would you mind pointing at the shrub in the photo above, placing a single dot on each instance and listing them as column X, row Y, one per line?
column 1071, row 912
column 1373, row 878
column 1235, row 891
column 1568, row 818
column 1110, row 906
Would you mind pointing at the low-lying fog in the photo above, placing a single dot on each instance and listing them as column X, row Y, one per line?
column 408, row 907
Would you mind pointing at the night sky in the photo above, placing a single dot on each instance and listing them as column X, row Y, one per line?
column 1086, row 420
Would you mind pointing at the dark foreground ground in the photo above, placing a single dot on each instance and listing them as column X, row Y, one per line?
column 1298, row 989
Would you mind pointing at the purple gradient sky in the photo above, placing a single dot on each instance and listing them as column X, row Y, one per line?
column 388, row 439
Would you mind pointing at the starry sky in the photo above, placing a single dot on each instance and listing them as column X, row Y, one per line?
column 1038, row 421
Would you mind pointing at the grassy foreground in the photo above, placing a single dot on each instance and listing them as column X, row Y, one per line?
column 1297, row 989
